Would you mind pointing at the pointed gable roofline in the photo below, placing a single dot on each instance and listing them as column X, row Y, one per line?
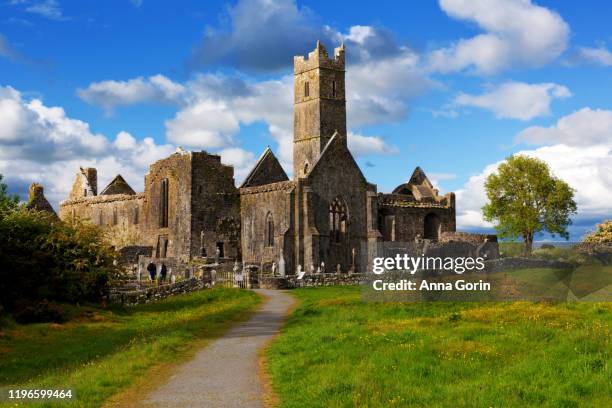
column 118, row 185
column 267, row 170
column 336, row 140
column 420, row 178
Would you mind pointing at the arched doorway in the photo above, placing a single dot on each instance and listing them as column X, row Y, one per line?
column 431, row 228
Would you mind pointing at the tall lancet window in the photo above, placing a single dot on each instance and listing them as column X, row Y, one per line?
column 269, row 230
column 337, row 220
column 163, row 204
column 306, row 89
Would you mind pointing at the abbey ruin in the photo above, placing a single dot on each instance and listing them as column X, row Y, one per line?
column 328, row 212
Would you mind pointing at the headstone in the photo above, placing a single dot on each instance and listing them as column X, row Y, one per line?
column 273, row 268
column 300, row 274
column 281, row 265
column 338, row 268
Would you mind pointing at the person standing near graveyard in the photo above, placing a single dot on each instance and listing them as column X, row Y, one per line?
column 152, row 269
column 163, row 271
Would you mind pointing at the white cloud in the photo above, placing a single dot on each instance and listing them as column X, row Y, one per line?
column 42, row 144
column 517, row 33
column 366, row 145
column 595, row 55
column 581, row 155
column 254, row 34
column 382, row 90
column 110, row 94
column 206, row 124
column 582, row 128
column 516, row 100
column 47, row 8
column 242, row 161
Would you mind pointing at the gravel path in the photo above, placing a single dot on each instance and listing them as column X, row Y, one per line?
column 224, row 374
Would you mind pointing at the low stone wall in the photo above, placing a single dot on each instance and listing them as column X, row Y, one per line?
column 448, row 236
column 153, row 293
column 129, row 255
column 503, row 264
column 312, row 280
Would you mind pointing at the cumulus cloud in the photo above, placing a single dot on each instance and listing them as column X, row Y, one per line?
column 110, row 94
column 43, row 144
column 584, row 127
column 361, row 145
column 382, row 90
column 516, row 33
column 585, row 164
column 253, row 36
column 601, row 55
column 213, row 107
column 516, row 100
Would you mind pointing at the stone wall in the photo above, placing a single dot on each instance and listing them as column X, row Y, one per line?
column 153, row 293
column 215, row 208
column 118, row 214
column 311, row 280
column 129, row 255
column 335, row 176
column 448, row 236
column 258, row 205
column 405, row 223
column 175, row 238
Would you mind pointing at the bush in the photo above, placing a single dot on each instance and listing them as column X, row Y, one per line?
column 602, row 235
column 547, row 246
column 511, row 249
column 43, row 311
column 42, row 257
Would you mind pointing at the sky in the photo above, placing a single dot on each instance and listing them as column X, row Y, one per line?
column 453, row 86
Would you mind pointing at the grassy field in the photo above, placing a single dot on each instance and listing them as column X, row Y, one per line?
column 103, row 352
column 337, row 351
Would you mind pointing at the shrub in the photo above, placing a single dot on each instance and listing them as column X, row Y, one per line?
column 602, row 235
column 43, row 311
column 511, row 249
column 44, row 258
column 547, row 246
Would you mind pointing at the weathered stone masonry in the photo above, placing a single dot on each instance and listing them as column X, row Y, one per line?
column 319, row 219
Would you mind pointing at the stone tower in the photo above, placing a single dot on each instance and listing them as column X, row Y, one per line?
column 319, row 108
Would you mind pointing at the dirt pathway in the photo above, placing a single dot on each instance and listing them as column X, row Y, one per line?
column 224, row 374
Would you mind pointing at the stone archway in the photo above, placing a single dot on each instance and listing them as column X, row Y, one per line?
column 431, row 227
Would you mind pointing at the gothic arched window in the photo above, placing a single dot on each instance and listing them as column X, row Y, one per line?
column 337, row 220
column 269, row 230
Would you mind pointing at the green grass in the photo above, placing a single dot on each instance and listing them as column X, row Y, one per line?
column 106, row 351
column 337, row 351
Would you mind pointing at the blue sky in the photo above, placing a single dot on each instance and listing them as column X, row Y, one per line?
column 452, row 86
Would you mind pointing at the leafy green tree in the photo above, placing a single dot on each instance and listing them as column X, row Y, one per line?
column 525, row 198
column 7, row 201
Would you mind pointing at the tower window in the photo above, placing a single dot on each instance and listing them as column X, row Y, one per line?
column 334, row 89
column 136, row 215
column 306, row 89
column 115, row 218
column 163, row 204
column 100, row 218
